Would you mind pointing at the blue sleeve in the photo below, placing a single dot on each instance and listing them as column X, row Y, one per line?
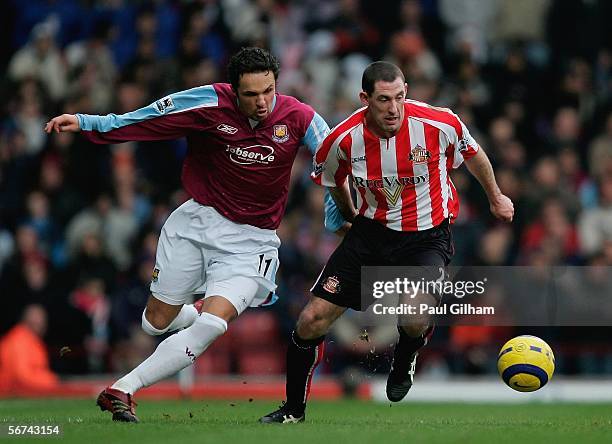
column 201, row 96
column 317, row 130
column 315, row 134
column 333, row 219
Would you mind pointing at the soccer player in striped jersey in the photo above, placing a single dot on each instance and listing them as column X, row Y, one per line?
column 398, row 154
column 242, row 140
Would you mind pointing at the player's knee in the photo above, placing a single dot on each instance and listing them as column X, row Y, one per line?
column 415, row 330
column 153, row 323
column 311, row 324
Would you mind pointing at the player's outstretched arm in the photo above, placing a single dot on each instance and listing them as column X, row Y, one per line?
column 168, row 118
column 501, row 206
column 63, row 123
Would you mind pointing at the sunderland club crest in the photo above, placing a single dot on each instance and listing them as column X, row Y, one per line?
column 418, row 154
column 331, row 285
column 280, row 133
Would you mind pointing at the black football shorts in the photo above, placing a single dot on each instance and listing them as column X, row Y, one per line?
column 368, row 243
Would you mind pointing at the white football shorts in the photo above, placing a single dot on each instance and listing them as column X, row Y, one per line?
column 201, row 252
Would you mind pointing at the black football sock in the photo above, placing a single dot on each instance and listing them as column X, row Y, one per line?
column 408, row 346
column 303, row 356
column 412, row 344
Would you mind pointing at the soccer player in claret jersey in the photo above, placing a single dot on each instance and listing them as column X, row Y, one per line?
column 242, row 140
column 398, row 153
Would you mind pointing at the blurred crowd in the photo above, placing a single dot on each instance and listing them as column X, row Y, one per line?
column 532, row 79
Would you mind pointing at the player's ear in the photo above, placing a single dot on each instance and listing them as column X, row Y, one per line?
column 405, row 90
column 363, row 97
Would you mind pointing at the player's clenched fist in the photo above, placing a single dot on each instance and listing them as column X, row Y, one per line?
column 65, row 122
column 503, row 208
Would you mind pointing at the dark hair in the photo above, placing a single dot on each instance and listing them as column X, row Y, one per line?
column 249, row 60
column 374, row 72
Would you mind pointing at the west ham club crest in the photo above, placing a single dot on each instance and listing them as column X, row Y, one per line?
column 280, row 133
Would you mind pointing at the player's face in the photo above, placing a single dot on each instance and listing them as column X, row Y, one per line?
column 256, row 94
column 385, row 106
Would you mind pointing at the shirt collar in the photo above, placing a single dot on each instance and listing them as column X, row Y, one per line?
column 254, row 123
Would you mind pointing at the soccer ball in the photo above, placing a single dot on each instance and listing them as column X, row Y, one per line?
column 526, row 363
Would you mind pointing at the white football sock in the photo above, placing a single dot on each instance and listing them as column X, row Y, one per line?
column 174, row 353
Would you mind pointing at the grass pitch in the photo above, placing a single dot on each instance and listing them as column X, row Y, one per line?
column 339, row 422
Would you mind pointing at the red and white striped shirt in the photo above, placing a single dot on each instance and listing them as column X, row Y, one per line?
column 402, row 182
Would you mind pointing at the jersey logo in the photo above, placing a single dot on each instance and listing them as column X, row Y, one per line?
column 391, row 186
column 165, row 104
column 280, row 133
column 393, row 195
column 262, row 154
column 419, row 154
column 318, row 169
column 464, row 145
column 332, row 285
column 227, row 129
column 155, row 275
column 388, row 182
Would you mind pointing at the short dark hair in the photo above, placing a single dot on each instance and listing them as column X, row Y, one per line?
column 374, row 72
column 249, row 60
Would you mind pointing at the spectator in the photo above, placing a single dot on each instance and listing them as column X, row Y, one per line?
column 64, row 200
column 595, row 225
column 115, row 226
column 552, row 232
column 91, row 261
column 29, row 371
column 470, row 23
column 92, row 68
column 600, row 151
column 90, row 299
column 40, row 59
column 39, row 218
